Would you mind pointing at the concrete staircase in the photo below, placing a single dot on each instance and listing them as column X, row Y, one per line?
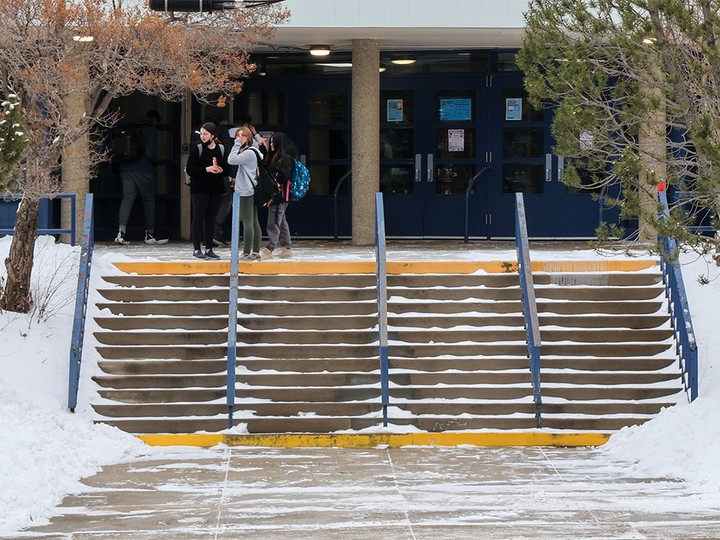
column 308, row 352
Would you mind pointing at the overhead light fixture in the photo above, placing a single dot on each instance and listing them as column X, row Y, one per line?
column 403, row 61
column 319, row 50
column 382, row 68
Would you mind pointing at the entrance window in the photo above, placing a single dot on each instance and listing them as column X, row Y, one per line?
column 397, row 179
column 523, row 144
column 328, row 140
column 522, row 178
column 267, row 109
column 328, row 108
column 396, row 143
column 453, row 179
column 396, row 106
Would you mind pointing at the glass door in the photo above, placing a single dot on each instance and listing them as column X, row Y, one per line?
column 431, row 137
column 522, row 155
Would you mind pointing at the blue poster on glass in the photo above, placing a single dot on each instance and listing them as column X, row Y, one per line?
column 513, row 109
column 456, row 109
column 394, row 110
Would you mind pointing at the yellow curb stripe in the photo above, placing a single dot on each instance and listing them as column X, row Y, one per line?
column 368, row 267
column 372, row 440
column 593, row 266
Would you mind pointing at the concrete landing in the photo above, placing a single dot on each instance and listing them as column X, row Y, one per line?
column 380, row 493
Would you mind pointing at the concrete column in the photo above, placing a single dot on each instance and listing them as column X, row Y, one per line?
column 365, row 138
column 75, row 169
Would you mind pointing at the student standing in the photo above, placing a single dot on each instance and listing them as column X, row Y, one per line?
column 138, row 179
column 246, row 157
column 281, row 162
column 207, row 169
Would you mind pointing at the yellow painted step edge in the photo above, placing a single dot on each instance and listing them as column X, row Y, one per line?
column 368, row 267
column 372, row 440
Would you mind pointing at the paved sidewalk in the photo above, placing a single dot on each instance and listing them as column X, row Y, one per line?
column 381, row 493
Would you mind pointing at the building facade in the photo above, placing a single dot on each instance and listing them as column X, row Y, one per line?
column 419, row 99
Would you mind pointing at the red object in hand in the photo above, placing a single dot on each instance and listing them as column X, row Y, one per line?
column 215, row 162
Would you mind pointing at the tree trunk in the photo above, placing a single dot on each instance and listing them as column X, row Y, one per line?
column 16, row 294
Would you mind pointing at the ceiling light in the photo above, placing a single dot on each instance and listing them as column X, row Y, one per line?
column 403, row 61
column 319, row 50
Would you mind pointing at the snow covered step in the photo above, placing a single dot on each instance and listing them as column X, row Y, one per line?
column 308, row 358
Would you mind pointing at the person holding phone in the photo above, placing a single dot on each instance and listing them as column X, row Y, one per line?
column 207, row 168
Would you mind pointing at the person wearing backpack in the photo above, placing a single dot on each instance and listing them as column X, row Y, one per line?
column 138, row 178
column 227, row 138
column 280, row 163
column 207, row 168
column 247, row 159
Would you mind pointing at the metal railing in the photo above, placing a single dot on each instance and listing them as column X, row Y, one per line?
column 233, row 306
column 335, row 196
column 81, row 296
column 42, row 230
column 468, row 190
column 686, row 345
column 381, row 272
column 532, row 325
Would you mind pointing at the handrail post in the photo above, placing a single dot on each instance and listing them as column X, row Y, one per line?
column 532, row 325
column 381, row 274
column 467, row 200
column 81, row 296
column 233, row 306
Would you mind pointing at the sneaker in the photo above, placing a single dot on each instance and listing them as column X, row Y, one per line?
column 120, row 238
column 265, row 254
column 150, row 239
column 199, row 254
column 250, row 257
column 210, row 254
column 284, row 253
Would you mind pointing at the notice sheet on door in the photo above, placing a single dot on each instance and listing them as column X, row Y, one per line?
column 456, row 140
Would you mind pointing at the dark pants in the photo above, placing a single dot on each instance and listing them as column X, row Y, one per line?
column 204, row 210
column 134, row 184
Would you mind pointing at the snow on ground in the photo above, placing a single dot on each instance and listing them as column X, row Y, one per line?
column 45, row 450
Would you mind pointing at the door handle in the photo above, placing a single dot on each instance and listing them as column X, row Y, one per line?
column 418, row 166
column 561, row 169
column 548, row 167
column 430, row 167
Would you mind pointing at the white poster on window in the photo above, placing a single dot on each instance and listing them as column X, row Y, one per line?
column 456, row 140
column 586, row 140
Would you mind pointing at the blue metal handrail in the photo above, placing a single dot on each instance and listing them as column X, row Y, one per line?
column 686, row 344
column 381, row 272
column 471, row 184
column 70, row 231
column 81, row 296
column 233, row 306
column 532, row 325
column 335, row 196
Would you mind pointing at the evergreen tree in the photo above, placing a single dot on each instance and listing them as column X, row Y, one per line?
column 635, row 90
column 13, row 141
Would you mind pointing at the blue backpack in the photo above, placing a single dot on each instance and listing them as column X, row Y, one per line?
column 300, row 181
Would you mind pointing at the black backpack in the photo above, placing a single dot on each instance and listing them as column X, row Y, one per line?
column 128, row 144
column 266, row 187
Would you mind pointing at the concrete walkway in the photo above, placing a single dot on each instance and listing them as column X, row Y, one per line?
column 380, row 493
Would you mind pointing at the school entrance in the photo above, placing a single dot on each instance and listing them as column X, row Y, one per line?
column 457, row 139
